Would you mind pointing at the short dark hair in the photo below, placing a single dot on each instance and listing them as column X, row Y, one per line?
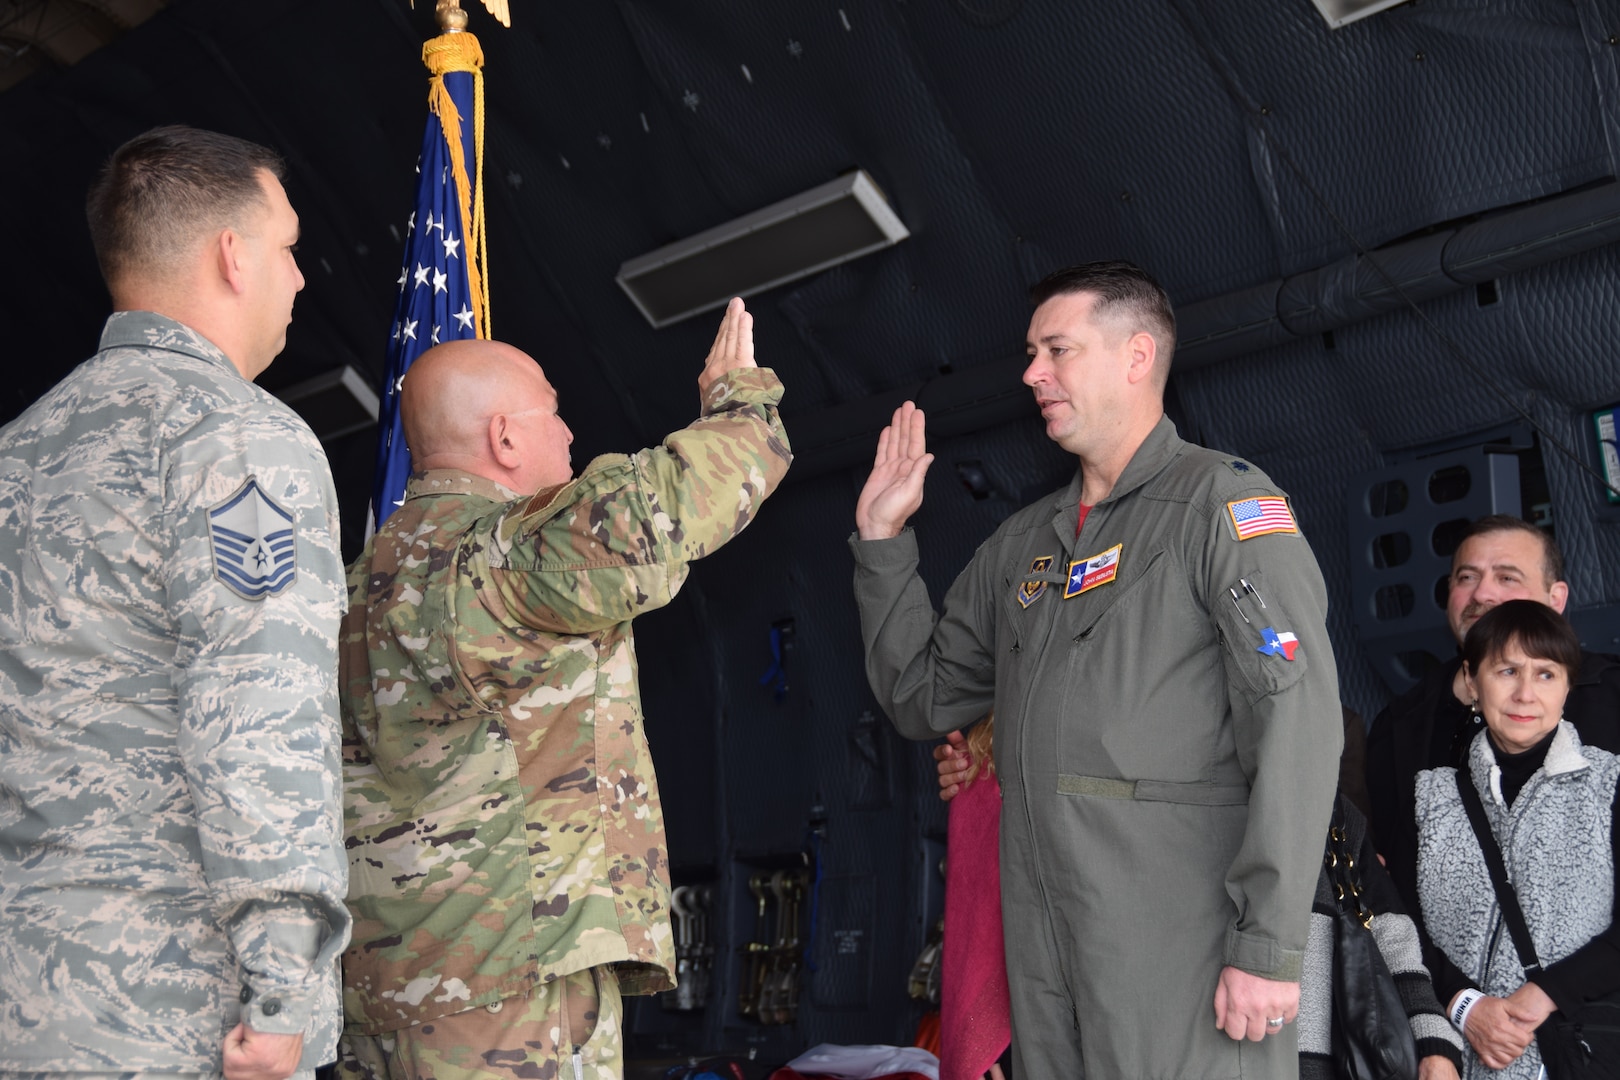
column 163, row 187
column 1540, row 631
column 1552, row 560
column 1117, row 284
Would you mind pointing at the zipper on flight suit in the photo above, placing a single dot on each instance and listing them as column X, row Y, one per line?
column 1023, row 742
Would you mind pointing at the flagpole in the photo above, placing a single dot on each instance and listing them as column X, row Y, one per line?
column 444, row 279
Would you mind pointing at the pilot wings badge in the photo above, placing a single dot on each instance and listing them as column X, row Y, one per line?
column 254, row 544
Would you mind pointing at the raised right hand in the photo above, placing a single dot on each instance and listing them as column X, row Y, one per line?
column 894, row 491
column 733, row 346
column 954, row 765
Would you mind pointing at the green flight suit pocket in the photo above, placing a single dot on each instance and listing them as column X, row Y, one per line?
column 1257, row 633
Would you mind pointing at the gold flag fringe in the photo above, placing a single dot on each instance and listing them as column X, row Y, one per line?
column 460, row 52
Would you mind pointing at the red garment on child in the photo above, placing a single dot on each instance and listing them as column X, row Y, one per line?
column 975, row 1015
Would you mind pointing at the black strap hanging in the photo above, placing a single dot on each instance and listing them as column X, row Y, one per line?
column 1506, row 898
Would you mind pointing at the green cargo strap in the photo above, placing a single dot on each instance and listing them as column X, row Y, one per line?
column 1101, row 787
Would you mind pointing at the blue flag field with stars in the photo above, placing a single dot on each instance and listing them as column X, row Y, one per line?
column 435, row 299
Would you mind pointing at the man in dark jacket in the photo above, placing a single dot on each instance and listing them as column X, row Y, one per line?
column 1500, row 558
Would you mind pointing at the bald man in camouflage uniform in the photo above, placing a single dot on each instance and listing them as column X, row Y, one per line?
column 506, row 840
column 171, row 873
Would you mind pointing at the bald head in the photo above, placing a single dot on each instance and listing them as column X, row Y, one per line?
column 486, row 408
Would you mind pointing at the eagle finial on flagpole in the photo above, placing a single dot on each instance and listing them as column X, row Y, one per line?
column 453, row 20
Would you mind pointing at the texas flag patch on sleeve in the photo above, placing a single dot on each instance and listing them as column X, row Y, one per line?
column 1278, row 643
column 1261, row 516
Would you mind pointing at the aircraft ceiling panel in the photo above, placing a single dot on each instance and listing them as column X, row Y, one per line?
column 1103, row 135
column 1424, row 113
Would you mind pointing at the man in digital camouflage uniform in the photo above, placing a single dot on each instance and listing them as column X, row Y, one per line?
column 506, row 840
column 1168, row 727
column 171, row 872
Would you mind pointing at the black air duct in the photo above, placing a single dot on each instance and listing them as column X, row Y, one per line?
column 1353, row 289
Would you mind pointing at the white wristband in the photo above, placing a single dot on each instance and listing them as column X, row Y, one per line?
column 1463, row 1006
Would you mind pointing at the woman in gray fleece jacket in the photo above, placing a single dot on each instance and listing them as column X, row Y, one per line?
column 1551, row 805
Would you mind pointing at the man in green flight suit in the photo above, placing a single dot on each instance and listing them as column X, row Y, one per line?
column 508, row 864
column 1167, row 735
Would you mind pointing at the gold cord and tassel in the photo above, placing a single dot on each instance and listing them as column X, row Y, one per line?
column 452, row 51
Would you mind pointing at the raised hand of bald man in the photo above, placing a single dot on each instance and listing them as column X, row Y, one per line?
column 733, row 346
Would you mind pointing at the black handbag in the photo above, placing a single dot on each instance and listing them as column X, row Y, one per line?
column 1371, row 1035
column 1585, row 1046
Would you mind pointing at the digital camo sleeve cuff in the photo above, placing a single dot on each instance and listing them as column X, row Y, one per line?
column 744, row 386
column 288, row 947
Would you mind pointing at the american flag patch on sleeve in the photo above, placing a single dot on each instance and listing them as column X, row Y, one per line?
column 1261, row 516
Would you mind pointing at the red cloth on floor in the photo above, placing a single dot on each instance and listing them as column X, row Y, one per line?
column 975, row 1015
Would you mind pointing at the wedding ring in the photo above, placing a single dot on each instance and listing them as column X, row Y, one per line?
column 1275, row 1021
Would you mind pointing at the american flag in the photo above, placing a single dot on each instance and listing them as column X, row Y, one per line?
column 440, row 295
column 1262, row 515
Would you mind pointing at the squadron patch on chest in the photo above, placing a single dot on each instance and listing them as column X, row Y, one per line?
column 1031, row 591
column 1087, row 574
column 1261, row 516
column 254, row 544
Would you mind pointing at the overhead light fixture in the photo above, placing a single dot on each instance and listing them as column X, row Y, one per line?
column 827, row 225
column 1343, row 12
column 337, row 403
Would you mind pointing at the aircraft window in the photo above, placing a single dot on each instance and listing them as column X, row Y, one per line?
column 1394, row 601
column 1450, row 483
column 1386, row 497
column 1391, row 549
column 1447, row 535
column 1442, row 591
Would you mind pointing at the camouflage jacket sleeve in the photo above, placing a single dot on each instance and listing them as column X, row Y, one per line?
column 255, row 684
column 619, row 539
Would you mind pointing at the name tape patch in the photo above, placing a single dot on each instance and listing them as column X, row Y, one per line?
column 254, row 543
column 1087, row 574
column 1261, row 516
